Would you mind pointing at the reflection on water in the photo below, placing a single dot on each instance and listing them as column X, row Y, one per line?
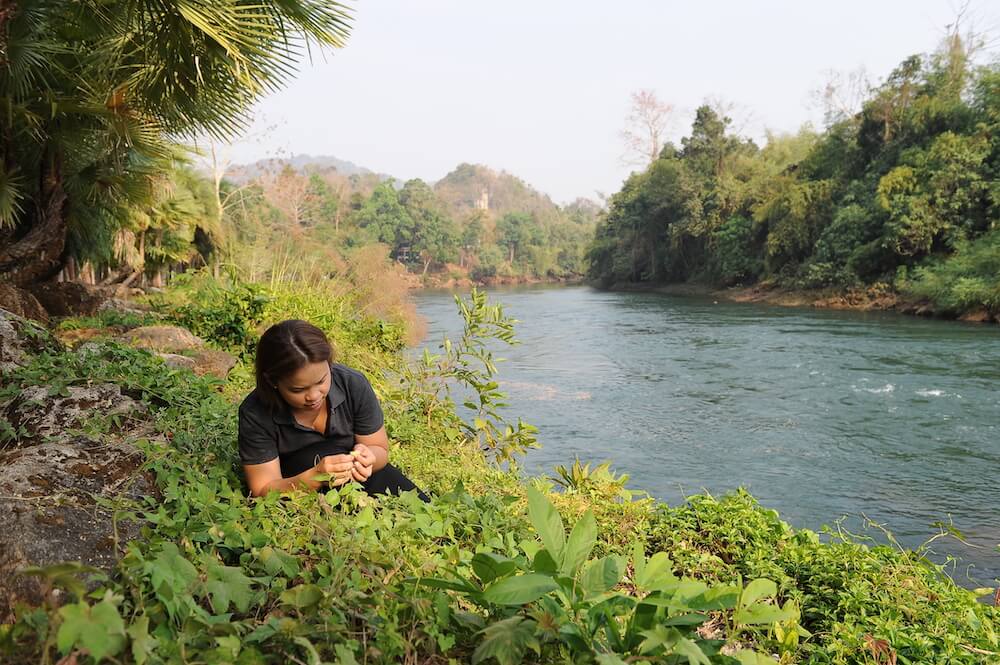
column 821, row 414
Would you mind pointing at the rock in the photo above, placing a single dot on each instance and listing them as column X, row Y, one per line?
column 211, row 361
column 73, row 337
column 41, row 415
column 48, row 511
column 21, row 302
column 167, row 339
column 177, row 361
column 20, row 339
column 124, row 306
column 55, row 485
column 976, row 316
column 67, row 298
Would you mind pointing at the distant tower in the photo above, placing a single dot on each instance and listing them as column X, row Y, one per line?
column 483, row 203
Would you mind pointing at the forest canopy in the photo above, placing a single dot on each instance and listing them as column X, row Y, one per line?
column 904, row 192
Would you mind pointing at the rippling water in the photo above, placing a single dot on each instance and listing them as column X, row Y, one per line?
column 820, row 414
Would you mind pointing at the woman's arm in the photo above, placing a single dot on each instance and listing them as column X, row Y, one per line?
column 266, row 477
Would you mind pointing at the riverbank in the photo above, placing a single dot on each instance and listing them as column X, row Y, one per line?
column 460, row 280
column 874, row 298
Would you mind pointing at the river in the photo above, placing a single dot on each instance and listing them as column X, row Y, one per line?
column 820, row 414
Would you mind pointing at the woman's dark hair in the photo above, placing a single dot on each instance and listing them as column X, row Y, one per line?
column 284, row 348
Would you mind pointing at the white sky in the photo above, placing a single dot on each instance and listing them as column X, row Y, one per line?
column 541, row 89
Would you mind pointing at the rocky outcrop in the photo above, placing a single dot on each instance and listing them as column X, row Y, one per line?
column 213, row 362
column 20, row 339
column 39, row 415
column 59, row 485
column 21, row 302
column 49, row 513
column 169, row 342
column 166, row 339
column 68, row 298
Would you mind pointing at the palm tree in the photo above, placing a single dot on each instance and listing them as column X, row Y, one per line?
column 94, row 95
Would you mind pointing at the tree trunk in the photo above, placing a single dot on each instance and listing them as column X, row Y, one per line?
column 39, row 255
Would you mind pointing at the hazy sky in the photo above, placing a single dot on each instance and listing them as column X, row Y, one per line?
column 541, row 89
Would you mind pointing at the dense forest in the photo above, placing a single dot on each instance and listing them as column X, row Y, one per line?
column 903, row 194
column 474, row 223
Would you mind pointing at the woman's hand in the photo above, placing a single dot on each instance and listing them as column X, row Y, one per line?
column 364, row 461
column 340, row 467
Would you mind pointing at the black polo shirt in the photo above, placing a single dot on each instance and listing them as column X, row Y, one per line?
column 352, row 408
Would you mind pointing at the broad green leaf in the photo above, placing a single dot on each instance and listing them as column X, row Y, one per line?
column 228, row 585
column 600, row 575
column 302, row 596
column 98, row 629
column 693, row 652
column 686, row 620
column 761, row 614
column 143, row 644
column 278, row 561
column 609, row 659
column 659, row 637
column 544, row 563
column 656, row 572
column 581, row 543
column 507, row 641
column 747, row 657
column 547, row 522
column 107, row 637
column 75, row 620
column 718, row 597
column 171, row 569
column 756, row 590
column 489, row 566
column 520, row 589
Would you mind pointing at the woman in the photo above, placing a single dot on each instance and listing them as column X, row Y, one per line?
column 310, row 416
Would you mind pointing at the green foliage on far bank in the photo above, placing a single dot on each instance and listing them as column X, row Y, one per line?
column 904, row 192
column 495, row 569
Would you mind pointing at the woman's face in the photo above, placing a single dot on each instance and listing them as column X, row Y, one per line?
column 306, row 388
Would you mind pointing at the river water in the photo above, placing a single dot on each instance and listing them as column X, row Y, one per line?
column 821, row 414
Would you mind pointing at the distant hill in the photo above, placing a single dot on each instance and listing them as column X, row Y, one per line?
column 240, row 173
column 472, row 186
column 466, row 188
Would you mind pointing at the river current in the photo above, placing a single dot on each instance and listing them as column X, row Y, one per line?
column 821, row 414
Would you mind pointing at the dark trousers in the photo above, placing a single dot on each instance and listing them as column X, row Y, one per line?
column 390, row 480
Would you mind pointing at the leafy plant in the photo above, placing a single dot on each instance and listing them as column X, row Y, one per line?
column 555, row 600
column 469, row 363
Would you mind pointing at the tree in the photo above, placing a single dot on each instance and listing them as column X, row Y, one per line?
column 645, row 127
column 513, row 231
column 385, row 218
column 92, row 93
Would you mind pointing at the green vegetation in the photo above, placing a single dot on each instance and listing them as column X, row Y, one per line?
column 93, row 99
column 472, row 224
column 902, row 193
column 484, row 573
